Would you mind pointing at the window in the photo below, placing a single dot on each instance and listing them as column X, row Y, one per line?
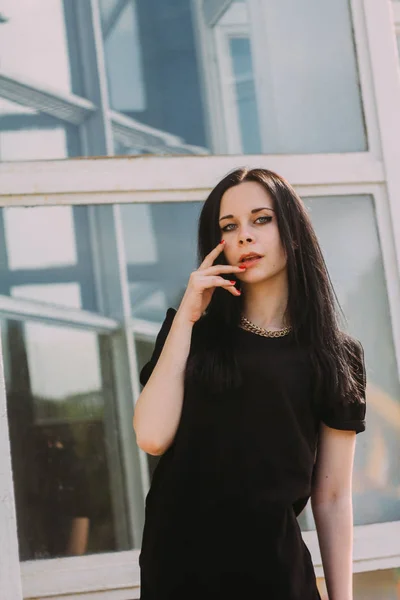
column 46, row 255
column 300, row 98
column 64, row 441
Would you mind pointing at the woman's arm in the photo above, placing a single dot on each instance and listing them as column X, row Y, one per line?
column 159, row 406
column 331, row 501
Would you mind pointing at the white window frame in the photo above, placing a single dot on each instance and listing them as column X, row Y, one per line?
column 396, row 18
column 223, row 35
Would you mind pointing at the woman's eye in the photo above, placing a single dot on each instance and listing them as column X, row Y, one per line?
column 228, row 227
column 264, row 219
column 260, row 221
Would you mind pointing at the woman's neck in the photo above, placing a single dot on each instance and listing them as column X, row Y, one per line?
column 265, row 303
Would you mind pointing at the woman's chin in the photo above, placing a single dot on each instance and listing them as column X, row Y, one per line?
column 254, row 278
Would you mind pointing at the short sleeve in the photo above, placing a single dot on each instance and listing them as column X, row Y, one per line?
column 349, row 416
column 160, row 341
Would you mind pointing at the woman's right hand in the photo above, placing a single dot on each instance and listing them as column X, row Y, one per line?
column 202, row 284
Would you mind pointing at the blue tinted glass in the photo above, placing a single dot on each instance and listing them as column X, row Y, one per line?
column 27, row 134
column 46, row 255
column 160, row 247
column 245, row 95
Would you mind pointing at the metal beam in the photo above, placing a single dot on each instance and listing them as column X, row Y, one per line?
column 67, row 107
column 29, row 310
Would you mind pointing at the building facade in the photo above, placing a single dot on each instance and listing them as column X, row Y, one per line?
column 116, row 119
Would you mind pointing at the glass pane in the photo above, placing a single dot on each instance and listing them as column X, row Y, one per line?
column 346, row 227
column 29, row 225
column 45, row 254
column 27, row 134
column 107, row 7
column 153, row 69
column 300, row 72
column 245, row 95
column 281, row 78
column 67, row 470
column 154, row 236
column 33, row 42
column 123, row 55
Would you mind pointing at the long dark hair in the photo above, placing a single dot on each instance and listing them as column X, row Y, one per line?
column 313, row 309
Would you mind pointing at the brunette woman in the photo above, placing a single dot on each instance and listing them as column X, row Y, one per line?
column 253, row 397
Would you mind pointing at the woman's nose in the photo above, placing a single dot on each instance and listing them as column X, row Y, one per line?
column 245, row 237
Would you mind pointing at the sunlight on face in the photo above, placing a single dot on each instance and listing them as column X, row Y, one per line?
column 249, row 225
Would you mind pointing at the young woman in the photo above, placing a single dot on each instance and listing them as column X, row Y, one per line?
column 253, row 397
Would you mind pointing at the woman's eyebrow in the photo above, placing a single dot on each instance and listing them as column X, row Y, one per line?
column 255, row 210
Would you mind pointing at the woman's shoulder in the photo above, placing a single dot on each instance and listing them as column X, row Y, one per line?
column 353, row 349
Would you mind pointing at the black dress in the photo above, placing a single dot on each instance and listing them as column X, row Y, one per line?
column 221, row 511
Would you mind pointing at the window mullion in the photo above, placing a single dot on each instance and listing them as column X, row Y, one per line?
column 385, row 71
column 10, row 575
column 97, row 131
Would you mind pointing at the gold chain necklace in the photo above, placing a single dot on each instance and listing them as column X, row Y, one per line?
column 249, row 326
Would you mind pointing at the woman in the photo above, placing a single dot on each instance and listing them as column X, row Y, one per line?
column 253, row 397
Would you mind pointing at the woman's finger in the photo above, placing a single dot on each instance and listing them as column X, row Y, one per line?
column 218, row 269
column 207, row 282
column 209, row 259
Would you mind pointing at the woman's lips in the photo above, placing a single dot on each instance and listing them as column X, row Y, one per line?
column 250, row 262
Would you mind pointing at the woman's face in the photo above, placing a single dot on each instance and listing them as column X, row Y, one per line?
column 249, row 227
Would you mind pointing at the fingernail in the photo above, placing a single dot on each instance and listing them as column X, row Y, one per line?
column 222, row 242
column 243, row 267
column 239, row 292
column 232, row 281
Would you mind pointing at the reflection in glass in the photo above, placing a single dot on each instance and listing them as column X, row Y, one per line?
column 307, row 75
column 33, row 42
column 46, row 255
column 291, row 69
column 123, row 55
column 27, row 134
column 63, row 444
column 152, row 66
column 245, row 95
